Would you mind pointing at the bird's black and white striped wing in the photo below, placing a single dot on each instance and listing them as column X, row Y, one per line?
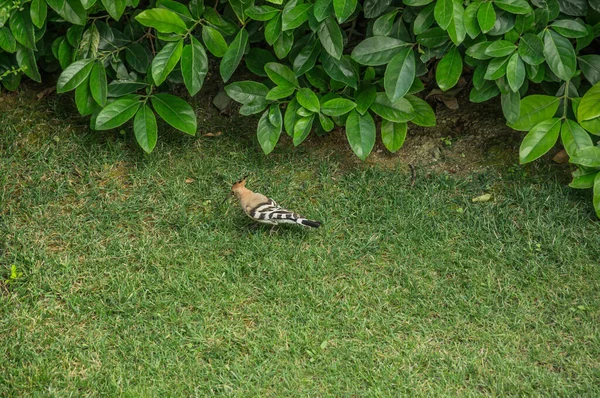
column 270, row 213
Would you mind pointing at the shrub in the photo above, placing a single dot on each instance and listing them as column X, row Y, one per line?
column 321, row 63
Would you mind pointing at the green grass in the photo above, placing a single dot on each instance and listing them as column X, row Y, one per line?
column 138, row 283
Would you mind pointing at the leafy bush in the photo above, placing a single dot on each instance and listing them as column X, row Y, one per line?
column 321, row 63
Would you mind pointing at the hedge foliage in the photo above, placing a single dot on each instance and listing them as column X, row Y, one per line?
column 321, row 63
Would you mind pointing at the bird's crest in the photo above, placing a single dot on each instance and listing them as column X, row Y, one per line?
column 240, row 183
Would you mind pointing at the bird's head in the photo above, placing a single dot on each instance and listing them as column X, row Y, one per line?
column 237, row 187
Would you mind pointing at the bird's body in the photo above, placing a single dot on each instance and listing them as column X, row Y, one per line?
column 264, row 210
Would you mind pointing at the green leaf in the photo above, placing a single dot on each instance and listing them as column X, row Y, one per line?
column 574, row 137
column 496, row 68
column 145, row 129
column 294, row 15
column 384, row 25
column 268, row 133
column 443, row 12
column 331, row 38
column 278, row 92
column 378, row 50
column 214, row 41
column 98, row 86
column 281, row 75
column 233, row 55
column 514, row 6
column 115, row 8
column 291, row 116
column 486, row 16
column 7, row 40
column 323, row 9
column 194, row 66
column 22, row 29
column 531, row 49
column 326, row 123
column 273, row 30
column 307, row 57
column 283, row 44
column 38, row 12
column 393, row 135
column 588, row 107
column 70, row 10
column 424, row 20
column 247, row 92
column 488, row 90
column 470, row 19
column 360, row 131
column 587, row 157
column 424, row 115
column 583, row 178
column 74, row 75
column 117, row 113
column 535, row 109
column 302, row 128
column 343, row 9
column 165, row 61
column 365, row 98
column 511, row 107
column 308, row 99
column 456, row 29
column 590, row 67
column 477, row 50
column 500, row 48
column 560, row 55
column 449, row 70
column 399, row 111
column 163, row 20
column 337, row 107
column 400, row 74
column 539, row 140
column 83, row 99
column 262, row 13
column 175, row 111
column 138, row 57
column 341, row 70
column 26, row 58
column 434, row 37
column 515, row 72
column 570, row 28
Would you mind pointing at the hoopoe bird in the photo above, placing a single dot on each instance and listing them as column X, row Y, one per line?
column 264, row 210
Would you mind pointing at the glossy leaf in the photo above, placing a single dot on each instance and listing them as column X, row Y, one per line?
column 560, row 55
column 175, row 111
column 115, row 8
column 294, row 15
column 343, row 9
column 74, row 75
column 514, row 6
column 165, row 61
column 570, row 28
column 540, row 139
column 341, row 70
column 587, row 157
column 302, row 128
column 308, row 99
column 515, row 72
column 399, row 111
column 233, row 55
column 26, row 59
column 145, row 128
column 535, row 109
column 23, row 29
column 247, row 92
column 574, row 137
column 70, row 10
column 38, row 12
column 281, row 75
column 117, row 113
column 423, row 113
column 500, row 48
column 337, row 107
column 360, row 131
column 262, row 13
column 98, row 85
column 214, row 41
column 443, row 12
column 194, row 66
column 590, row 67
column 486, row 16
column 378, row 50
column 399, row 74
column 278, row 92
column 449, row 70
column 393, row 135
column 268, row 133
column 331, row 38
column 531, row 49
column 589, row 107
column 163, row 20
column 365, row 97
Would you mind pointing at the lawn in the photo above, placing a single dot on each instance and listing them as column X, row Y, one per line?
column 135, row 280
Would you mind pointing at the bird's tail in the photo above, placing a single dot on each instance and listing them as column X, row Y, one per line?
column 308, row 223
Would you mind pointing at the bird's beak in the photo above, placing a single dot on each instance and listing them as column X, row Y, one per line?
column 227, row 197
